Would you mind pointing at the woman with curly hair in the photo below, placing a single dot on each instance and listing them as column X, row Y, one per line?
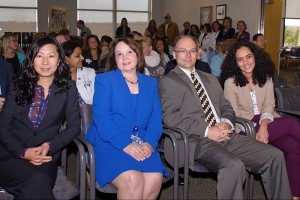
column 247, row 73
column 38, row 102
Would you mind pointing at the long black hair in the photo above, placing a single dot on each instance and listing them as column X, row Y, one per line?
column 26, row 80
column 264, row 67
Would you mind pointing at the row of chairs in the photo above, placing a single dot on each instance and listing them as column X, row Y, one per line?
column 287, row 100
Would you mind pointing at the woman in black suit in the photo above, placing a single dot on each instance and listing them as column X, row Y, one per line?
column 31, row 141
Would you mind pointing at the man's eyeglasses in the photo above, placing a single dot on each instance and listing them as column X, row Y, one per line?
column 185, row 51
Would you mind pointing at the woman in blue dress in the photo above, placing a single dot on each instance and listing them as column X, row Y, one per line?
column 127, row 124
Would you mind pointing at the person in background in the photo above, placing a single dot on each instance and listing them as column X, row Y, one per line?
column 84, row 37
column 83, row 28
column 186, row 28
column 10, row 52
column 66, row 33
column 60, row 38
column 259, row 40
column 6, row 76
column 92, row 57
column 161, row 47
column 37, row 35
column 83, row 76
column 241, row 35
column 151, row 30
column 247, row 73
column 207, row 42
column 123, row 29
column 153, row 66
column 216, row 29
column 168, row 31
column 105, row 47
column 195, row 31
column 125, row 132
column 227, row 31
column 105, row 41
column 194, row 102
column 37, row 104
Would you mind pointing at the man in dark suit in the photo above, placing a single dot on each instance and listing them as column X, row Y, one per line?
column 216, row 146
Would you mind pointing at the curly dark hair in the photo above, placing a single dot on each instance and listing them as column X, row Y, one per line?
column 264, row 66
column 166, row 47
column 27, row 78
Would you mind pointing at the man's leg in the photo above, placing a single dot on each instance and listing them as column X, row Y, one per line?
column 231, row 170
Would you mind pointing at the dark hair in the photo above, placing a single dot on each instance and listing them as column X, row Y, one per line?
column 80, row 22
column 228, row 18
column 264, row 67
column 197, row 29
column 106, row 38
column 27, row 78
column 124, row 19
column 215, row 22
column 255, row 37
column 135, row 46
column 208, row 27
column 166, row 47
column 69, row 47
column 99, row 45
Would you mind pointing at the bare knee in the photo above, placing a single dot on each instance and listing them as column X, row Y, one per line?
column 131, row 181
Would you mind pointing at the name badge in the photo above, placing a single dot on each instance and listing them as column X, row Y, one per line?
column 135, row 136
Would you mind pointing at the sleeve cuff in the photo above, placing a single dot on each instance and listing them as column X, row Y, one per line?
column 229, row 122
column 266, row 116
column 22, row 154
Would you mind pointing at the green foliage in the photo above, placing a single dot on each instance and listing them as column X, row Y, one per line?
column 291, row 36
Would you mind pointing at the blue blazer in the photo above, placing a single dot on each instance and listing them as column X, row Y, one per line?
column 116, row 111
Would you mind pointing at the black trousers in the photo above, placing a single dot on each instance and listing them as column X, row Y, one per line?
column 27, row 181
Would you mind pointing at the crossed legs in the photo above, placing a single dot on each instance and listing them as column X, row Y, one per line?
column 137, row 185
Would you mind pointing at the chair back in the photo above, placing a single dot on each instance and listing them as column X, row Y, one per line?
column 295, row 52
column 297, row 78
column 86, row 113
column 288, row 98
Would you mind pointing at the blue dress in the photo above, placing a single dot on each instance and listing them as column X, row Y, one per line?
column 115, row 112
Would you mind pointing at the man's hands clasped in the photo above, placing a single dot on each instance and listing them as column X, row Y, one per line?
column 220, row 132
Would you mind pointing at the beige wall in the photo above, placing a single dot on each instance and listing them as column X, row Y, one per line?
column 247, row 10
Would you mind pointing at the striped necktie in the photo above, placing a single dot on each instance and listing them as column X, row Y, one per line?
column 209, row 115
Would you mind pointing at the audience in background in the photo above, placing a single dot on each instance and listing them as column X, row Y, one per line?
column 123, row 30
column 60, row 38
column 186, row 28
column 168, row 31
column 151, row 30
column 195, row 31
column 10, row 52
column 37, row 35
column 259, row 40
column 216, row 29
column 6, row 76
column 227, row 31
column 92, row 57
column 66, row 33
column 241, row 35
column 161, row 47
column 83, row 28
column 207, row 42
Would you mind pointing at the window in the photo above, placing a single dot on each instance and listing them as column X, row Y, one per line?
column 103, row 19
column 291, row 23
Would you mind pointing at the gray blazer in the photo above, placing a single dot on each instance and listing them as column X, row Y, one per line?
column 182, row 108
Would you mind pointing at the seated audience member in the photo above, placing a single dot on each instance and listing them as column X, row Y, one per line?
column 161, row 47
column 125, row 132
column 249, row 88
column 208, row 119
column 241, row 35
column 207, row 42
column 60, row 38
column 37, row 35
column 227, row 31
column 259, row 40
column 92, row 57
column 134, row 35
column 84, row 76
column 186, row 28
column 40, row 100
column 10, row 52
column 195, row 31
column 216, row 62
column 66, row 33
column 216, row 29
column 151, row 30
column 105, row 41
column 123, row 30
column 153, row 66
column 84, row 42
column 6, row 76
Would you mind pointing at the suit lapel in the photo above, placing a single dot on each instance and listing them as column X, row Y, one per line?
column 190, row 84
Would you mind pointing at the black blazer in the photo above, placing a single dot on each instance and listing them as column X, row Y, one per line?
column 6, row 75
column 119, row 31
column 17, row 131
